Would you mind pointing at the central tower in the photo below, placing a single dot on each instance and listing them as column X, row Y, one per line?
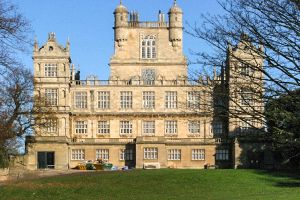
column 149, row 50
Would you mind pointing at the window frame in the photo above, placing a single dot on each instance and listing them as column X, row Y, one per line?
column 198, row 154
column 103, row 100
column 81, row 127
column 174, row 154
column 51, row 97
column 102, row 154
column 81, row 99
column 126, row 99
column 150, row 153
column 148, row 47
column 50, row 69
column 103, row 127
column 78, row 154
column 148, row 99
column 171, row 99
column 126, row 127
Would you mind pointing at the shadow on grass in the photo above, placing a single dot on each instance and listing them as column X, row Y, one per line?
column 281, row 178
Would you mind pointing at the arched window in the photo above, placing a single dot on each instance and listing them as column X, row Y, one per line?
column 148, row 47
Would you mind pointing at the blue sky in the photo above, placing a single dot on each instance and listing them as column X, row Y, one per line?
column 89, row 24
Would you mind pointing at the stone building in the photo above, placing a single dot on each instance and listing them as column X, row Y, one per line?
column 147, row 114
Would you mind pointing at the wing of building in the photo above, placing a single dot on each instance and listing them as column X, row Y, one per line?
column 148, row 113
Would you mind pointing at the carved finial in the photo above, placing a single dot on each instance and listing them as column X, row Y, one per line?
column 36, row 46
column 175, row 2
column 120, row 2
column 68, row 44
column 51, row 36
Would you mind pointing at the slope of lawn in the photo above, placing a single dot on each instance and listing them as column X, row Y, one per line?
column 160, row 184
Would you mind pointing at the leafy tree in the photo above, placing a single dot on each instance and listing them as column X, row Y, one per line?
column 283, row 117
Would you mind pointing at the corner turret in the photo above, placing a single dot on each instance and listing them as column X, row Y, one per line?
column 175, row 26
column 121, row 22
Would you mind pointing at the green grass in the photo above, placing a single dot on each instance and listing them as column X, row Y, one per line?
column 160, row 185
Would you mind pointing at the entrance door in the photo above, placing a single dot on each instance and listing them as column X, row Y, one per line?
column 46, row 160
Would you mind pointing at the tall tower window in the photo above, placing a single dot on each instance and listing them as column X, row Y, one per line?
column 148, row 47
column 246, row 97
column 51, row 97
column 51, row 70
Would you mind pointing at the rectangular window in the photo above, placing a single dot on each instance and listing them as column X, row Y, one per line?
column 149, row 128
column 170, row 127
column 51, row 125
column 103, row 127
column 126, row 100
column 150, row 153
column 174, row 154
column 148, row 100
column 51, row 70
column 51, row 97
column 245, row 69
column 171, row 99
column 198, row 154
column 126, row 154
column 194, row 127
column 104, row 100
column 102, row 154
column 81, row 127
column 125, row 127
column 193, row 100
column 81, row 100
column 78, row 154
column 217, row 128
column 222, row 154
column 247, row 97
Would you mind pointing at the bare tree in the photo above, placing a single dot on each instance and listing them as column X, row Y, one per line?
column 16, row 91
column 271, row 30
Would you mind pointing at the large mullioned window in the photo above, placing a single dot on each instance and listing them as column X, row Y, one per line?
column 198, row 154
column 193, row 100
column 125, row 127
column 103, row 127
column 174, row 154
column 149, row 128
column 81, row 127
column 149, row 100
column 148, row 47
column 126, row 100
column 171, row 99
column 51, row 70
column 150, row 153
column 81, row 100
column 103, row 100
column 51, row 125
column 171, row 127
column 102, row 154
column 51, row 97
column 78, row 154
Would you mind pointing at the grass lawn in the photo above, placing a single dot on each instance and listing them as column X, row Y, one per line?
column 160, row 184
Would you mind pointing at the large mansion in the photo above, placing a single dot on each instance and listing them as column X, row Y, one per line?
column 148, row 113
